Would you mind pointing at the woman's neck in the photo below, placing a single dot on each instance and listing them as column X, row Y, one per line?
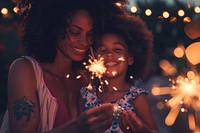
column 60, row 67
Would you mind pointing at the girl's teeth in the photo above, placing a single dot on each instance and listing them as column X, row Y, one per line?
column 110, row 64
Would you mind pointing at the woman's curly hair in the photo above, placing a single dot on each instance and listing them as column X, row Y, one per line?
column 44, row 20
column 139, row 40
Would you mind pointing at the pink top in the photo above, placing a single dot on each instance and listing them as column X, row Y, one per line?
column 62, row 114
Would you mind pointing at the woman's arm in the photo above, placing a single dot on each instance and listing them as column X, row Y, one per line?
column 24, row 109
column 22, row 98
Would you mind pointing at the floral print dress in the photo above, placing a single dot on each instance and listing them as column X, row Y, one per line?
column 91, row 100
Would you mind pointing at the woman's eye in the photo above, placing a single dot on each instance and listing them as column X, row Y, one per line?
column 74, row 32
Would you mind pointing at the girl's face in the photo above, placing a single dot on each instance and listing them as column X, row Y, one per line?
column 79, row 36
column 115, row 53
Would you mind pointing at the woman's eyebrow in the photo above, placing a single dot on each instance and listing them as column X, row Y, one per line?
column 76, row 26
column 80, row 27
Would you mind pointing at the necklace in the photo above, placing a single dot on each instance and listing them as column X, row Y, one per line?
column 60, row 80
column 67, row 76
column 55, row 76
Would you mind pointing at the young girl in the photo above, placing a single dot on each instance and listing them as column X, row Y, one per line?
column 126, row 47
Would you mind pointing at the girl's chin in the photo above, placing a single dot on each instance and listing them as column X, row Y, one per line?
column 110, row 74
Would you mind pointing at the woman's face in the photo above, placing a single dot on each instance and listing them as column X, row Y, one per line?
column 79, row 36
column 115, row 53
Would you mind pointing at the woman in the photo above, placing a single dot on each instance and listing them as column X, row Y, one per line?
column 43, row 88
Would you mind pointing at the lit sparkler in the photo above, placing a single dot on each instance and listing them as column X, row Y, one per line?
column 96, row 67
column 185, row 92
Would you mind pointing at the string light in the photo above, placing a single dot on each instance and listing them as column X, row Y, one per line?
column 133, row 9
column 4, row 11
column 165, row 14
column 148, row 12
column 181, row 13
column 196, row 9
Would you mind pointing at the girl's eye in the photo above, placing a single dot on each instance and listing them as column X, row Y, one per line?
column 102, row 51
column 118, row 50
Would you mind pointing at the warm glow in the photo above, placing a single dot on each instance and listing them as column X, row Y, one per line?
column 173, row 20
column 106, row 82
column 89, row 87
column 190, row 75
column 192, row 29
column 114, row 88
column 100, row 89
column 166, row 14
column 179, row 52
column 118, row 4
column 191, row 122
column 117, row 109
column 167, row 67
column 193, row 54
column 148, row 12
column 183, row 110
column 187, row 19
column 121, row 59
column 181, row 13
column 185, row 94
column 67, row 76
column 15, row 9
column 171, row 117
column 160, row 105
column 133, row 9
column 161, row 90
column 114, row 73
column 197, row 9
column 4, row 11
column 78, row 77
column 97, row 67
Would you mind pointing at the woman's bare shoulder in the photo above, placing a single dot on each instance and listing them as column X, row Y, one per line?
column 20, row 64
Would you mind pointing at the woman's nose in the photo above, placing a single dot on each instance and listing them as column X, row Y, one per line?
column 84, row 41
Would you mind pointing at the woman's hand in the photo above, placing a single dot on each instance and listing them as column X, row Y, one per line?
column 95, row 120
column 130, row 123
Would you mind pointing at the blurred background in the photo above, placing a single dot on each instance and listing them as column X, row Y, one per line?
column 175, row 25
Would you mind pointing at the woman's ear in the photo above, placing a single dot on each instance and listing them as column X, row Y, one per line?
column 130, row 60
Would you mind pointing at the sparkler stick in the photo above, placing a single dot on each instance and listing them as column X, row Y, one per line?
column 91, row 51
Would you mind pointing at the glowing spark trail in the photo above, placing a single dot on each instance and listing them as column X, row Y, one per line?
column 96, row 67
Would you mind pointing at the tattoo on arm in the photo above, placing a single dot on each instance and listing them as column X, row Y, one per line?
column 23, row 107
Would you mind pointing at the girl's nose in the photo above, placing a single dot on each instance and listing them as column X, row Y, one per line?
column 109, row 54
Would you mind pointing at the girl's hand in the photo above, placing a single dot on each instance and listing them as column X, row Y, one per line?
column 130, row 123
column 95, row 120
